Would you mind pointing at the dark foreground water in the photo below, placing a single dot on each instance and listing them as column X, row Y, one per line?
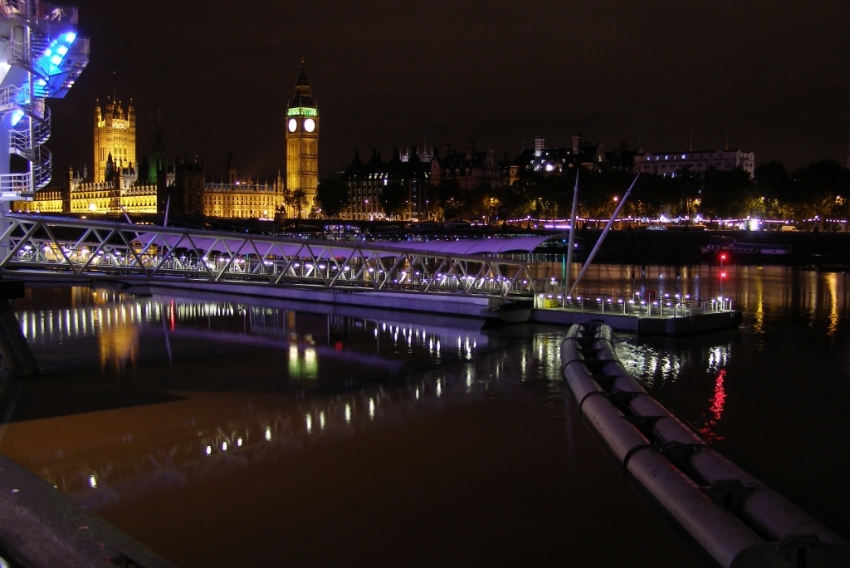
column 232, row 432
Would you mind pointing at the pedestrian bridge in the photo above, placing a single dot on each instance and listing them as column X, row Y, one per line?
column 93, row 250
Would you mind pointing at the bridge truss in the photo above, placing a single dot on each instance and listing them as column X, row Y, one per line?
column 130, row 252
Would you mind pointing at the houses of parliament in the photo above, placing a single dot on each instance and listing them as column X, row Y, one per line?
column 157, row 184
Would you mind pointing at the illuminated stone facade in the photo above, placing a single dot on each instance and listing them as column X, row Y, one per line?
column 302, row 150
column 114, row 136
column 671, row 163
column 120, row 193
column 243, row 200
column 185, row 193
column 177, row 185
column 45, row 201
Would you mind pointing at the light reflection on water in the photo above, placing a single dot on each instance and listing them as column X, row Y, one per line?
column 115, row 322
column 122, row 326
column 195, row 444
column 716, row 409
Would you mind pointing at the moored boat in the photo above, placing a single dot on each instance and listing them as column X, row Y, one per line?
column 721, row 244
column 762, row 249
column 717, row 243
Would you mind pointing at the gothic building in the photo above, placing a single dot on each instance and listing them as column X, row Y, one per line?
column 114, row 137
column 179, row 185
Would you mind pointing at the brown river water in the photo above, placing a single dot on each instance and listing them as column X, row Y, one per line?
column 230, row 431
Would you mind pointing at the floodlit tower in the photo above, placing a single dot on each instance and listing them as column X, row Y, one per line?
column 302, row 145
column 40, row 57
column 115, row 136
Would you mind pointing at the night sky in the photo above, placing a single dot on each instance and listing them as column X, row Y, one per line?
column 768, row 76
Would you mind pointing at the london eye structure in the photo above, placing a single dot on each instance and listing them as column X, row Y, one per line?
column 40, row 58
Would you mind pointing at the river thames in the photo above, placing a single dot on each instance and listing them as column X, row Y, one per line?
column 230, row 431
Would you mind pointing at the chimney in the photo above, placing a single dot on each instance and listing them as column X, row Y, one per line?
column 539, row 144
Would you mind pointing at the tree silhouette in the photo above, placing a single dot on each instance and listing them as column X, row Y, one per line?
column 333, row 196
column 393, row 198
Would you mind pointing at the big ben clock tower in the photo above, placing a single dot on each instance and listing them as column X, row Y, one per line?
column 302, row 146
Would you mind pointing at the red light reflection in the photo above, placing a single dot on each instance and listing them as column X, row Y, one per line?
column 718, row 401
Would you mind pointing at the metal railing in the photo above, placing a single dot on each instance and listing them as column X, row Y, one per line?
column 676, row 305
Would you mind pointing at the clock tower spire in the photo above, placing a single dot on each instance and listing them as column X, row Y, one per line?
column 302, row 147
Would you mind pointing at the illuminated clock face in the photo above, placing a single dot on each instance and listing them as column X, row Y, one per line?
column 309, row 125
column 293, row 124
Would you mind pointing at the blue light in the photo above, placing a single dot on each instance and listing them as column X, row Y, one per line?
column 70, row 37
column 16, row 116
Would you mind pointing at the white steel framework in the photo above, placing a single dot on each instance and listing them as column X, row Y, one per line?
column 129, row 252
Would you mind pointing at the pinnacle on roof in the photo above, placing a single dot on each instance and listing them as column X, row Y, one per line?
column 302, row 78
column 302, row 97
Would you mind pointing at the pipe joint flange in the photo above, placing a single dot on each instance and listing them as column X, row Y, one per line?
column 729, row 493
column 633, row 451
column 588, row 395
column 621, row 398
column 680, row 453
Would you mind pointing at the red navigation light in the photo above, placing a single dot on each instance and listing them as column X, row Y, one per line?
column 722, row 257
column 723, row 275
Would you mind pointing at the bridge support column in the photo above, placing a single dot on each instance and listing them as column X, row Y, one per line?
column 14, row 349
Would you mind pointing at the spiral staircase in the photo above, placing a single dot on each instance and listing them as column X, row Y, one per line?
column 40, row 57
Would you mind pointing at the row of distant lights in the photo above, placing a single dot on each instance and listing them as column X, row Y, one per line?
column 667, row 157
column 434, row 343
column 320, row 417
column 312, row 420
column 669, row 302
column 309, row 419
column 719, row 301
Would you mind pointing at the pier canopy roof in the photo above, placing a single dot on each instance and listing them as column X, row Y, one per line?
column 494, row 245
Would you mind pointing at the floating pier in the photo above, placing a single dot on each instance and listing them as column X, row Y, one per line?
column 673, row 317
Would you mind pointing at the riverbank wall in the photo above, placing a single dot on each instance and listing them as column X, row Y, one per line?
column 682, row 247
column 41, row 527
